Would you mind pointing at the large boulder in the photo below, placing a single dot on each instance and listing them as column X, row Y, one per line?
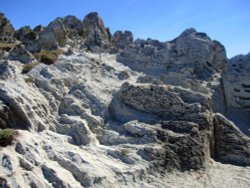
column 19, row 53
column 53, row 36
column 95, row 34
column 185, row 120
column 6, row 69
column 231, row 145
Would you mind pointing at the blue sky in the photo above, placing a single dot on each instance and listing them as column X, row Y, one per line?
column 227, row 21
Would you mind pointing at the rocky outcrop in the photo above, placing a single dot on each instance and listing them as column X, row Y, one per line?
column 95, row 33
column 231, row 146
column 6, row 30
column 185, row 123
column 73, row 25
column 25, row 34
column 19, row 53
column 188, row 61
column 28, row 37
column 163, row 101
column 6, row 69
column 14, row 116
column 122, row 39
column 237, row 91
column 53, row 36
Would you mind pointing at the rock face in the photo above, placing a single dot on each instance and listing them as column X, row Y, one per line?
column 53, row 35
column 185, row 123
column 114, row 112
column 165, row 102
column 19, row 53
column 6, row 30
column 236, row 87
column 188, row 61
column 231, row 146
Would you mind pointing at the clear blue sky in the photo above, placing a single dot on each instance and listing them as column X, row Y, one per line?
column 227, row 21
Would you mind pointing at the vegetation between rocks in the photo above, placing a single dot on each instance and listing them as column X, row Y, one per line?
column 7, row 136
column 7, row 46
column 48, row 57
column 29, row 80
column 28, row 67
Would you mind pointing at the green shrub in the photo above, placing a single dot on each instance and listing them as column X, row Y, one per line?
column 6, row 136
column 29, row 80
column 28, row 67
column 125, row 152
column 48, row 57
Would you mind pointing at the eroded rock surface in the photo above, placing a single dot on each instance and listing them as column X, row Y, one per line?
column 131, row 119
column 231, row 146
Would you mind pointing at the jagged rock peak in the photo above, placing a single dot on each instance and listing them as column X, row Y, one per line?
column 95, row 32
column 94, row 20
column 6, row 29
column 194, row 33
column 188, row 31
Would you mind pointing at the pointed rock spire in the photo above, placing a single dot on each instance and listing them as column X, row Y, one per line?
column 95, row 32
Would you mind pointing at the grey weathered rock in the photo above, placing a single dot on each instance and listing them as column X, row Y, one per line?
column 186, row 61
column 25, row 164
column 7, row 164
column 28, row 37
column 6, row 69
column 17, row 115
column 94, row 31
column 38, row 29
column 6, row 30
column 236, row 82
column 185, row 122
column 122, row 39
column 71, row 23
column 19, row 53
column 77, row 129
column 159, row 100
column 4, row 116
column 125, row 119
column 53, row 36
column 51, row 176
column 25, row 34
column 3, row 183
column 231, row 145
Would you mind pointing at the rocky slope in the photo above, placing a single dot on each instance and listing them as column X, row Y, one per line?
column 114, row 112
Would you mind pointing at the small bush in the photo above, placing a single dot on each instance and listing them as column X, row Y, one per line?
column 7, row 136
column 29, row 80
column 28, row 67
column 48, row 57
column 125, row 152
